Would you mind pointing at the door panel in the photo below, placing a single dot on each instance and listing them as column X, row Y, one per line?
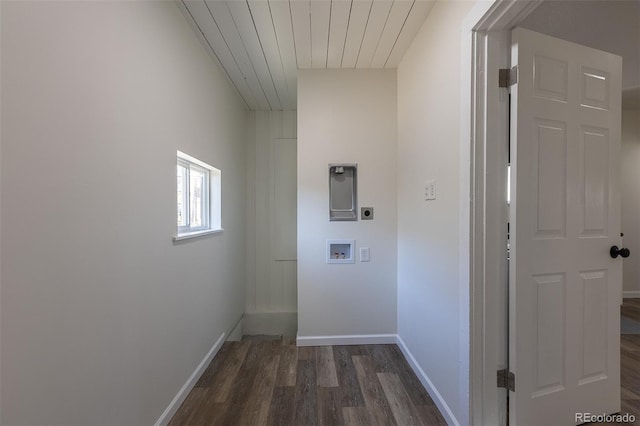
column 549, row 312
column 551, row 79
column 594, row 181
column 550, row 173
column 565, row 215
column 594, row 314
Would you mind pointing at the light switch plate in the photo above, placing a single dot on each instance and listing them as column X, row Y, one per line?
column 364, row 254
column 430, row 190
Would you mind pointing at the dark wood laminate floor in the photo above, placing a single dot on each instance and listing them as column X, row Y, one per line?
column 276, row 383
column 629, row 365
column 631, row 309
column 630, row 362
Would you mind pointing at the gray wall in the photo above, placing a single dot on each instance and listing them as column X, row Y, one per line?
column 103, row 317
column 432, row 319
column 631, row 200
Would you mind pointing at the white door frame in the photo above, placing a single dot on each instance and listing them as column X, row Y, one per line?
column 484, row 139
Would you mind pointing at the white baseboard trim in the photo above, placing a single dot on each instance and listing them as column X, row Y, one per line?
column 170, row 411
column 271, row 323
column 631, row 294
column 428, row 385
column 235, row 335
column 364, row 339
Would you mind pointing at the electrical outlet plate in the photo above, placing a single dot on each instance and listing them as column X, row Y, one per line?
column 366, row 213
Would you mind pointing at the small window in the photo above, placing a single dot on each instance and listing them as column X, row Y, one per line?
column 198, row 197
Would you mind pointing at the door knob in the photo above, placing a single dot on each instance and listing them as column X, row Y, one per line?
column 622, row 252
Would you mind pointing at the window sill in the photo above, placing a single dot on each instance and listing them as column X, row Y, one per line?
column 196, row 234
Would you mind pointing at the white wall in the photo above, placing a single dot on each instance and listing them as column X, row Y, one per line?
column 271, row 225
column 431, row 321
column 103, row 317
column 347, row 116
column 631, row 200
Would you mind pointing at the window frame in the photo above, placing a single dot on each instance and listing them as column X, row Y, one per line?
column 211, row 198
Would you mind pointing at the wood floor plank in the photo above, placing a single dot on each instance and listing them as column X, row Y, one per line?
column 262, row 338
column 358, row 350
column 631, row 309
column 374, row 397
column 357, row 416
column 326, row 367
column 276, row 347
column 329, row 409
column 227, row 349
column 282, row 411
column 273, row 382
column 429, row 415
column 351, row 395
column 630, row 342
column 416, row 391
column 630, row 377
column 632, row 313
column 306, row 396
column 208, row 413
column 365, row 376
column 258, row 402
column 628, row 394
column 237, row 398
column 190, row 408
column 631, row 406
column 213, row 414
column 403, row 409
column 383, row 358
column 306, row 353
column 288, row 341
column 288, row 366
column 226, row 372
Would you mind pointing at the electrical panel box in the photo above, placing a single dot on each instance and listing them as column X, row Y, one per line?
column 343, row 192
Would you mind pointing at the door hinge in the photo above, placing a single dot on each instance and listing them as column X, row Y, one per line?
column 508, row 77
column 507, row 380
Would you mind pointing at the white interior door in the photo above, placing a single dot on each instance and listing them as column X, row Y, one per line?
column 565, row 215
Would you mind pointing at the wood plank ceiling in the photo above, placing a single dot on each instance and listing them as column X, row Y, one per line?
column 261, row 44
